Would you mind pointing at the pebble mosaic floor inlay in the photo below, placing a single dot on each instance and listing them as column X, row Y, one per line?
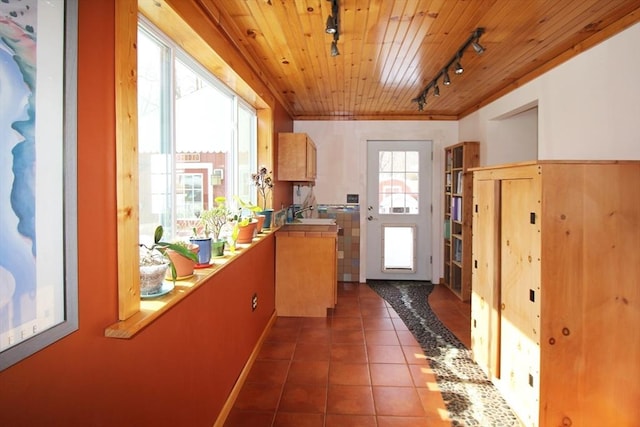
column 470, row 397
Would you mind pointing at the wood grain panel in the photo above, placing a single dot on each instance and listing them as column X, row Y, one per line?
column 485, row 305
column 305, row 274
column 588, row 214
column 127, row 164
column 389, row 50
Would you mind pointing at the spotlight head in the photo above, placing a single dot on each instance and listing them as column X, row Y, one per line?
column 334, row 49
column 331, row 27
column 458, row 67
column 477, row 47
column 445, row 78
column 436, row 89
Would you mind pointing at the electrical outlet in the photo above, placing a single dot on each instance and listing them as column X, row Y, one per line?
column 254, row 302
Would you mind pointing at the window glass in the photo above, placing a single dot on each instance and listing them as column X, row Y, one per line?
column 196, row 139
column 398, row 177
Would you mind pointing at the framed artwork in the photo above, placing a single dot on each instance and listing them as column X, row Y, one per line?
column 38, row 197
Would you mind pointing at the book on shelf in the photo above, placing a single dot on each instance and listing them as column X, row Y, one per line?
column 457, row 250
column 447, row 229
column 459, row 179
column 456, row 208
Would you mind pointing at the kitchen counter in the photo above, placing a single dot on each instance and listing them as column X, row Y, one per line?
column 306, row 269
column 309, row 229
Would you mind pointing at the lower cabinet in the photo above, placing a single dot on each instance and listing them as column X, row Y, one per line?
column 306, row 271
column 556, row 289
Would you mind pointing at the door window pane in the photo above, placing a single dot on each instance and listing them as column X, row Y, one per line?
column 398, row 177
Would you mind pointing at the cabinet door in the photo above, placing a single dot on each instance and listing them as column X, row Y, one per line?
column 520, row 297
column 485, row 296
column 305, row 275
column 296, row 157
column 311, row 171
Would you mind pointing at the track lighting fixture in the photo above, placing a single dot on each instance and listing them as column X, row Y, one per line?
column 334, row 48
column 477, row 46
column 474, row 42
column 333, row 27
column 445, row 77
column 458, row 67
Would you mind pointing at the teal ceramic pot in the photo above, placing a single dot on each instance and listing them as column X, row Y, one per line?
column 267, row 218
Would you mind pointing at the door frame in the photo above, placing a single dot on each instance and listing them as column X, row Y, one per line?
column 426, row 229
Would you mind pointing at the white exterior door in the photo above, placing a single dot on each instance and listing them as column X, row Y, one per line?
column 398, row 210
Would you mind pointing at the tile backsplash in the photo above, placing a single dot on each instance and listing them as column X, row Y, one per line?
column 348, row 219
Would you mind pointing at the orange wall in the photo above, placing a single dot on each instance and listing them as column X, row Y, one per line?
column 179, row 370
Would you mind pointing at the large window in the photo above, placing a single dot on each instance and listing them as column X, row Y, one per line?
column 197, row 139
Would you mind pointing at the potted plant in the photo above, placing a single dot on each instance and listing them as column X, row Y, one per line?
column 245, row 225
column 204, row 248
column 212, row 222
column 263, row 182
column 154, row 262
column 182, row 264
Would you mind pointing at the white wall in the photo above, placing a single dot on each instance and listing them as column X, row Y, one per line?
column 588, row 107
column 342, row 160
column 514, row 138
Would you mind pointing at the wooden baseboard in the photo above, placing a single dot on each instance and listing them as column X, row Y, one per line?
column 226, row 408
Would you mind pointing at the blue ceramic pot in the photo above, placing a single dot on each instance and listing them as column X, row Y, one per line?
column 204, row 254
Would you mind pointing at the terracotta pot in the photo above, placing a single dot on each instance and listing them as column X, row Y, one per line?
column 261, row 218
column 247, row 232
column 184, row 266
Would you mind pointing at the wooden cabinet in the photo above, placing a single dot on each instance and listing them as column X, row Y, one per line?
column 556, row 290
column 306, row 270
column 296, row 157
column 458, row 193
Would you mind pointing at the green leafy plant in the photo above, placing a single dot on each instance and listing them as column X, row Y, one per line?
column 212, row 220
column 157, row 252
column 246, row 207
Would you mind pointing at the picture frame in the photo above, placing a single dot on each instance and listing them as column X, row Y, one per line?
column 38, row 179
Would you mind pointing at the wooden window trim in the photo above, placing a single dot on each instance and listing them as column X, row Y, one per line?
column 132, row 314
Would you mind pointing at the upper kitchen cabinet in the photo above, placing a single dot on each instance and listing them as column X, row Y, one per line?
column 296, row 157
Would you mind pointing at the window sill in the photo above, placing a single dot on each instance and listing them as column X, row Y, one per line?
column 151, row 309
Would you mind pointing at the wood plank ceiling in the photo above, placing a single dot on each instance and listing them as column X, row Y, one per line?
column 391, row 49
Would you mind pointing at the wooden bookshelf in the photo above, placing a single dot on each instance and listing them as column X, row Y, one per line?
column 458, row 198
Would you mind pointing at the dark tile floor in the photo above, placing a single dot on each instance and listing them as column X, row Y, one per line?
column 358, row 367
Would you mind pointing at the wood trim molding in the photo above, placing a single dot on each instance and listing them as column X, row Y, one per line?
column 231, row 399
column 126, row 105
